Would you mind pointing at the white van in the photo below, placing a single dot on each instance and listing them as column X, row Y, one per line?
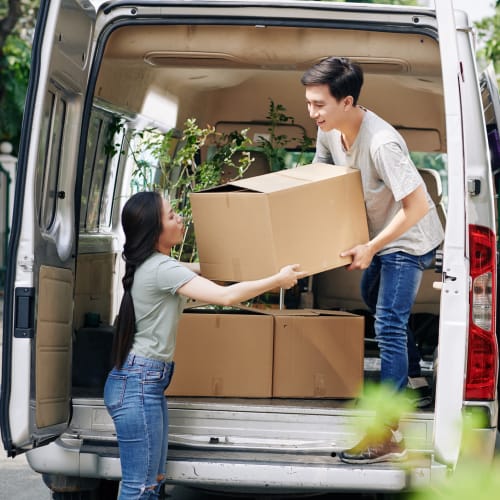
column 158, row 63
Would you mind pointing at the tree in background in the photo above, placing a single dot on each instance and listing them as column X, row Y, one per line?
column 488, row 32
column 17, row 21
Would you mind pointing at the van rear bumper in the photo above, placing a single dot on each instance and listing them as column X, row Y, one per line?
column 249, row 472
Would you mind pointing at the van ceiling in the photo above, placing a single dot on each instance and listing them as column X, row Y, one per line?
column 227, row 73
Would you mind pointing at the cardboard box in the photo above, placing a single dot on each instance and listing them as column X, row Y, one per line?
column 252, row 227
column 246, row 352
column 318, row 354
column 223, row 354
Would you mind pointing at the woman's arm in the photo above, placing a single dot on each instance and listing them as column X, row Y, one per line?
column 204, row 290
column 193, row 266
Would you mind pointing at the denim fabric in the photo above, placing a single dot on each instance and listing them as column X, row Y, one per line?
column 134, row 398
column 389, row 287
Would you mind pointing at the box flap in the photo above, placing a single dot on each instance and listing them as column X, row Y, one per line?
column 205, row 308
column 290, row 178
column 311, row 312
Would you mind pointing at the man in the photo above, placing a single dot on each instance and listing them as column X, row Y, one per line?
column 404, row 228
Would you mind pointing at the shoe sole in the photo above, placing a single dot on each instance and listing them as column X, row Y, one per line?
column 391, row 457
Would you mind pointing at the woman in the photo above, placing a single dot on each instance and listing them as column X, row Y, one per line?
column 155, row 290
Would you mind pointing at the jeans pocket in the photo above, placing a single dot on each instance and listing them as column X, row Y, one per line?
column 427, row 260
column 114, row 391
column 154, row 375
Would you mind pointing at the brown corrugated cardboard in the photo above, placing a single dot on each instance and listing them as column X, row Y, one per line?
column 318, row 356
column 226, row 353
column 253, row 227
column 246, row 352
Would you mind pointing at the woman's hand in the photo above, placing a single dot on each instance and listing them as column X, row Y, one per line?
column 289, row 275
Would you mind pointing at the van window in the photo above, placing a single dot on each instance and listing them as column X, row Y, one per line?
column 104, row 152
column 49, row 158
column 434, row 161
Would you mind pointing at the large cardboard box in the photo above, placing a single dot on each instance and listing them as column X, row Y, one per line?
column 244, row 352
column 251, row 228
column 227, row 353
column 318, row 354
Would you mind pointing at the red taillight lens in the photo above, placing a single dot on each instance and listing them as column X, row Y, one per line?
column 482, row 358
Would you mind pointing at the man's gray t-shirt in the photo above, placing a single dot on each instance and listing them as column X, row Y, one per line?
column 157, row 305
column 388, row 175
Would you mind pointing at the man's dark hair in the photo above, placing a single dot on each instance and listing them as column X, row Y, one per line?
column 342, row 76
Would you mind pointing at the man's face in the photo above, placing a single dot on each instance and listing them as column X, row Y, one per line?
column 324, row 109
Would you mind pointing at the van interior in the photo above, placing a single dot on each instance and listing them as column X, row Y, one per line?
column 226, row 76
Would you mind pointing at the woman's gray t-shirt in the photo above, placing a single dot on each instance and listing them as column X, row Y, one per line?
column 157, row 305
column 388, row 175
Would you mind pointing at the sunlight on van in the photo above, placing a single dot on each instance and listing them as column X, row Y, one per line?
column 162, row 107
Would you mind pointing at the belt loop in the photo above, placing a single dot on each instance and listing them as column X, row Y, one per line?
column 131, row 359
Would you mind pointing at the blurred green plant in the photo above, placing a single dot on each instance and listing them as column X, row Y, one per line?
column 475, row 475
column 383, row 405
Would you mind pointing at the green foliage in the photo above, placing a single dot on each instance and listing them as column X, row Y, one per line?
column 275, row 147
column 385, row 404
column 178, row 163
column 171, row 163
column 14, row 73
column 488, row 33
column 474, row 477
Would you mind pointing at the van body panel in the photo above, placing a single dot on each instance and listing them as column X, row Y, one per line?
column 46, row 237
column 107, row 69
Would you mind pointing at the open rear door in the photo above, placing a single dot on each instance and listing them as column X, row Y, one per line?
column 38, row 306
column 468, row 216
column 455, row 287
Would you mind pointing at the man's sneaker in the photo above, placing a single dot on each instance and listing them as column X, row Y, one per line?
column 419, row 392
column 384, row 446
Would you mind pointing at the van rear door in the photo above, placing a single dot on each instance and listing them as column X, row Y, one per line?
column 455, row 287
column 468, row 353
column 38, row 307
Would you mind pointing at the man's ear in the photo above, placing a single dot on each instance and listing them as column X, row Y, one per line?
column 348, row 102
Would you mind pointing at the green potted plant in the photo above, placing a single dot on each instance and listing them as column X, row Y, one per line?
column 177, row 163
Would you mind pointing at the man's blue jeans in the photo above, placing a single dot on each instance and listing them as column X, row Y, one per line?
column 134, row 398
column 389, row 287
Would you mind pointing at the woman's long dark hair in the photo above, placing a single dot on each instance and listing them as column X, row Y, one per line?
column 141, row 222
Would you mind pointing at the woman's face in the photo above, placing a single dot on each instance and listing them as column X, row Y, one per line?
column 172, row 231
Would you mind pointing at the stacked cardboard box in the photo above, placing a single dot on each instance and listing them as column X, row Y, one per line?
column 257, row 353
column 251, row 228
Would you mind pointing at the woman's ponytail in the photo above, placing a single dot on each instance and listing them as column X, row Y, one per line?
column 141, row 221
column 125, row 324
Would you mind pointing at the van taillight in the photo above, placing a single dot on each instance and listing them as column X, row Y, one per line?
column 482, row 357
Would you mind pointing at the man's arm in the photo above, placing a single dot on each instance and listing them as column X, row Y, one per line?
column 414, row 207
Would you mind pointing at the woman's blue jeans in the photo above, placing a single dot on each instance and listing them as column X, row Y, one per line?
column 389, row 287
column 134, row 397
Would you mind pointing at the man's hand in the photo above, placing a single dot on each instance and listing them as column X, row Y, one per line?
column 362, row 256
